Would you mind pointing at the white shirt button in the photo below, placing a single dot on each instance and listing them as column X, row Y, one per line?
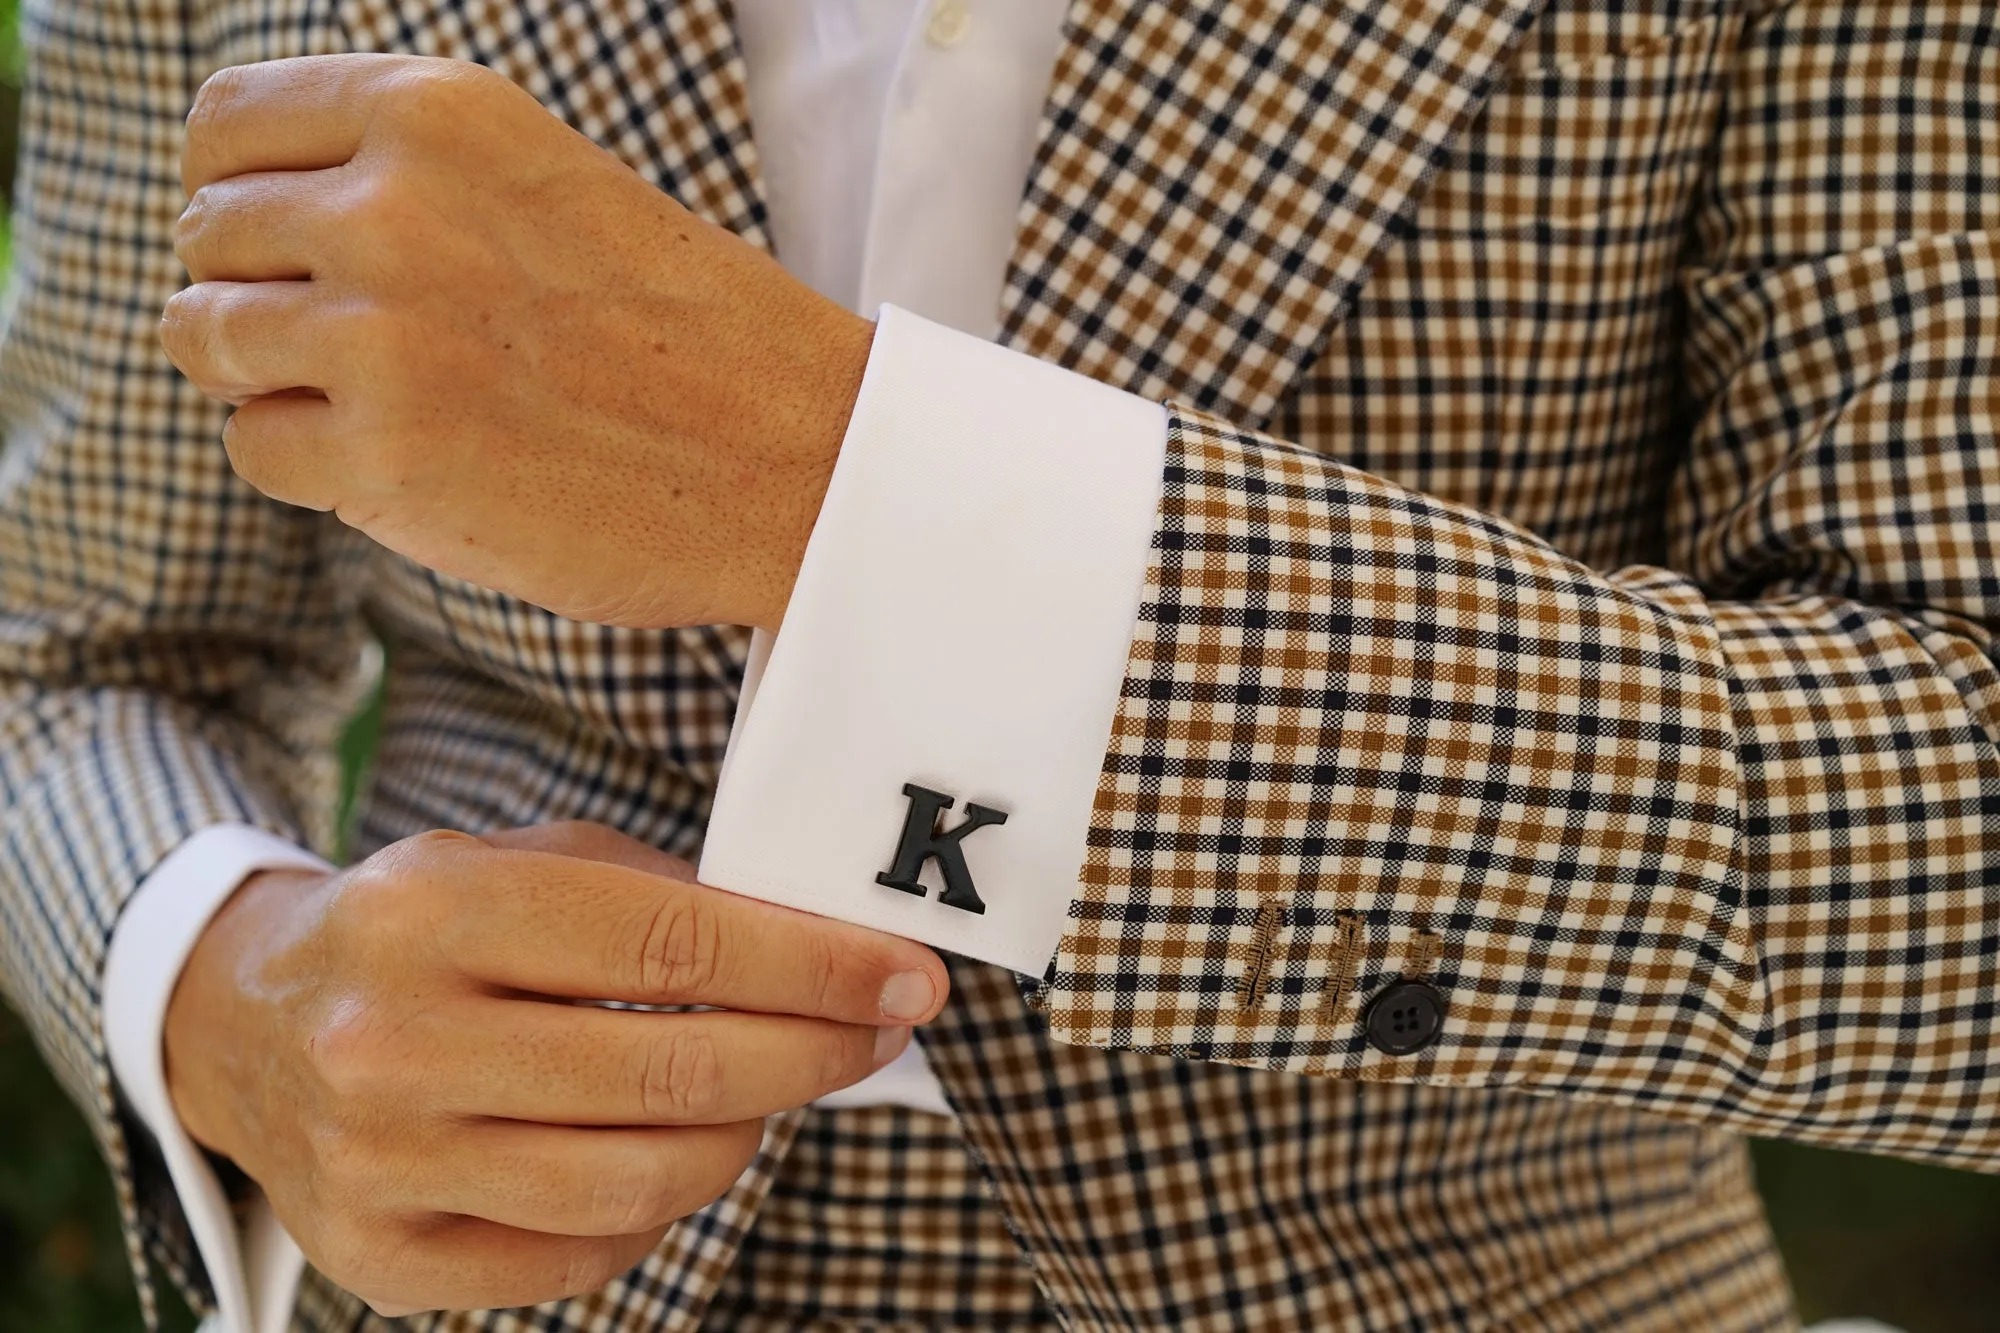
column 950, row 21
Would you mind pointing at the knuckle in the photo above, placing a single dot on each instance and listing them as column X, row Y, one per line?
column 361, row 1257
column 586, row 1266
column 336, row 1159
column 406, row 872
column 680, row 1078
column 379, row 901
column 174, row 318
column 345, row 1172
column 433, row 93
column 335, row 1255
column 225, row 308
column 249, row 457
column 433, row 843
column 631, row 1199
column 847, row 1056
column 192, row 329
column 353, row 1057
column 679, row 957
column 375, row 886
column 824, row 973
column 214, row 101
column 374, row 203
column 405, row 903
column 194, row 223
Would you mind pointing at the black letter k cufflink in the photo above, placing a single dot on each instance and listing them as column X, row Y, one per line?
column 924, row 840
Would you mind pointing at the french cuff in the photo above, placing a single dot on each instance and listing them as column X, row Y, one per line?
column 918, row 749
column 252, row 1264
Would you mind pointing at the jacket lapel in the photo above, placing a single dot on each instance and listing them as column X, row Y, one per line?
column 1214, row 180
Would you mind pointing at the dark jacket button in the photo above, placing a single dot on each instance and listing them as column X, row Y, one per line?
column 1405, row 1018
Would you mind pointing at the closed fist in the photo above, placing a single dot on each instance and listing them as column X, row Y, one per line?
column 484, row 341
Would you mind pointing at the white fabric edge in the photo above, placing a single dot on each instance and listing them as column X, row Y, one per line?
column 255, row 1272
column 1080, row 464
column 908, row 1080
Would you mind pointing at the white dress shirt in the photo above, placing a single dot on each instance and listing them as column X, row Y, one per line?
column 964, row 612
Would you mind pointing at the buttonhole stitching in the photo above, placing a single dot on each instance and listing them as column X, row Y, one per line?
column 1251, row 989
column 1422, row 955
column 1340, row 972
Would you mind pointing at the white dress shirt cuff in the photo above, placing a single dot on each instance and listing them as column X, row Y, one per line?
column 962, row 621
column 252, row 1264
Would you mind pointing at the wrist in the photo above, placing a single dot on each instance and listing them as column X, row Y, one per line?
column 827, row 385
column 220, row 1009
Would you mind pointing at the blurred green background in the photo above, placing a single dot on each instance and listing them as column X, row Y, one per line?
column 1915, row 1246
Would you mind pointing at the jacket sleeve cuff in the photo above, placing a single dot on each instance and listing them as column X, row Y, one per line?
column 252, row 1264
column 961, row 624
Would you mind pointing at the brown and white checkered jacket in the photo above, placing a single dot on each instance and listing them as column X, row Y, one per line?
column 1575, row 581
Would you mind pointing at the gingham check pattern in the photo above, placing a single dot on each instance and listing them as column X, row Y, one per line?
column 1609, row 643
column 1698, row 788
column 877, row 1219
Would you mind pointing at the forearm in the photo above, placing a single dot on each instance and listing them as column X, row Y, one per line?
column 1603, row 797
column 1368, row 737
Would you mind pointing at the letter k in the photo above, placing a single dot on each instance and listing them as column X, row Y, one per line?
column 922, row 842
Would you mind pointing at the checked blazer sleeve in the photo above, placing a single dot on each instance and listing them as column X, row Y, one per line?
column 1717, row 836
column 173, row 653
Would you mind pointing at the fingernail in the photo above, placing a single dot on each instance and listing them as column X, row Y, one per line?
column 908, row 996
column 889, row 1043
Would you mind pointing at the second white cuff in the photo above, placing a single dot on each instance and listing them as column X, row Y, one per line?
column 253, row 1270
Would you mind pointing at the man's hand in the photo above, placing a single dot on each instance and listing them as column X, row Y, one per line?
column 485, row 342
column 395, row 1053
